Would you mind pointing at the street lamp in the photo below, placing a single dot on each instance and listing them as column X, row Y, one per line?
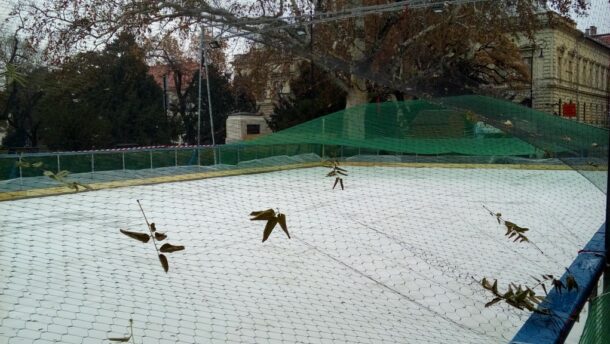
column 534, row 46
column 203, row 58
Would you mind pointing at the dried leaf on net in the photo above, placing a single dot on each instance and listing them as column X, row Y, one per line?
column 337, row 181
column 62, row 174
column 518, row 296
column 169, row 248
column 341, row 182
column 23, row 164
column 84, row 186
column 37, row 164
column 122, row 339
column 272, row 219
column 516, row 232
column 263, row 215
column 152, row 227
column 164, row 262
column 143, row 237
column 281, row 219
column 571, row 282
column 160, row 236
column 269, row 228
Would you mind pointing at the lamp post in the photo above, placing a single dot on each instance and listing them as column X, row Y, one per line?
column 204, row 59
column 532, row 61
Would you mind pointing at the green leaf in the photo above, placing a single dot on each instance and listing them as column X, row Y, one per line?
column 169, row 248
column 13, row 75
column 143, row 237
column 164, row 262
column 269, row 228
column 281, row 219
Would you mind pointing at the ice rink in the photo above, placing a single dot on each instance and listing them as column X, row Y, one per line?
column 394, row 258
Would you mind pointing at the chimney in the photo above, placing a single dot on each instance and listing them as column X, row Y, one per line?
column 587, row 32
column 593, row 30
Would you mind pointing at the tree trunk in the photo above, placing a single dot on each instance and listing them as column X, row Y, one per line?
column 354, row 119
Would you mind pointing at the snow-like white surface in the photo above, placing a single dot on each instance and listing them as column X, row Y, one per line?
column 392, row 259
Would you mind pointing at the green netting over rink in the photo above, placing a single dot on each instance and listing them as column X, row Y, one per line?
column 597, row 327
column 464, row 125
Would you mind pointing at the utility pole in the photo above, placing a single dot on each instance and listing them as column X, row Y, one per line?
column 199, row 97
column 207, row 80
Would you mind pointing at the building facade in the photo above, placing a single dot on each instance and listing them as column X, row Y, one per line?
column 570, row 72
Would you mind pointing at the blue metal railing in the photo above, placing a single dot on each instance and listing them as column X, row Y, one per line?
column 565, row 306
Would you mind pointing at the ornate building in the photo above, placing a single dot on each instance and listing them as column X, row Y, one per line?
column 570, row 71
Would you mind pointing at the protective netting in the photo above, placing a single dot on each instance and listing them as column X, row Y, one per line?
column 463, row 125
column 398, row 256
column 598, row 321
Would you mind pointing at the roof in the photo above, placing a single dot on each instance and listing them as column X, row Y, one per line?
column 604, row 38
column 161, row 70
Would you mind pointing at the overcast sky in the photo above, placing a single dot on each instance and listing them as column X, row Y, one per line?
column 599, row 15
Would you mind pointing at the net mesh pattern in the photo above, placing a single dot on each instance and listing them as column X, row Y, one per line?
column 395, row 257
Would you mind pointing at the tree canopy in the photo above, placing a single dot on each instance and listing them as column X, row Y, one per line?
column 405, row 45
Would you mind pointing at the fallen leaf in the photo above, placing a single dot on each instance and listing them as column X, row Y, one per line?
column 269, row 228
column 281, row 219
column 169, row 248
column 265, row 215
column 143, row 237
column 160, row 236
column 123, row 339
column 164, row 262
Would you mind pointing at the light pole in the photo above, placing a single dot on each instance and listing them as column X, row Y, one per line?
column 204, row 59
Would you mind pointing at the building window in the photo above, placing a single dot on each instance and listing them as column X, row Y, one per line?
column 569, row 70
column 559, row 67
column 252, row 129
column 584, row 73
column 596, row 76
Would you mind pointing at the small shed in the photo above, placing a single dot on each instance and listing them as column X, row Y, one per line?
column 245, row 126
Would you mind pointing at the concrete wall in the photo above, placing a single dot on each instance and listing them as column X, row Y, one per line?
column 237, row 127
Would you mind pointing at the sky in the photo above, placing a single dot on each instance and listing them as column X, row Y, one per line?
column 598, row 15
